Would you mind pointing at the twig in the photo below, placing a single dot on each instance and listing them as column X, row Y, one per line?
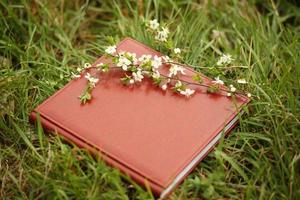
column 192, row 66
column 187, row 82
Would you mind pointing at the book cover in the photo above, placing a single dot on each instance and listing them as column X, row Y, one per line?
column 156, row 137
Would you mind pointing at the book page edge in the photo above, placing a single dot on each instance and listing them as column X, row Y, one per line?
column 195, row 161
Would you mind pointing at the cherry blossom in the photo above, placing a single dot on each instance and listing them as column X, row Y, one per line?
column 174, row 69
column 225, row 59
column 92, row 80
column 111, row 49
column 187, row 92
column 153, row 24
column 177, row 51
column 137, row 76
column 218, row 81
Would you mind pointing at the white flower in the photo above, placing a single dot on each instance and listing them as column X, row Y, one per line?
column 242, row 81
column 111, row 49
column 232, row 88
column 177, row 51
column 153, row 24
column 249, row 95
column 132, row 57
column 164, row 86
column 87, row 65
column 123, row 63
column 137, row 76
column 131, row 81
column 229, row 94
column 156, row 75
column 162, row 35
column 91, row 79
column 79, row 69
column 225, row 59
column 187, row 92
column 218, row 81
column 174, row 69
column 156, row 62
column 145, row 58
column 75, row 75
column 166, row 59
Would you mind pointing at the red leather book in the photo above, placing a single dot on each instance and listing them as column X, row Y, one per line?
column 156, row 137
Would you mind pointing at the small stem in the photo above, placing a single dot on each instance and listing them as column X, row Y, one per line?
column 184, row 65
column 192, row 83
column 189, row 66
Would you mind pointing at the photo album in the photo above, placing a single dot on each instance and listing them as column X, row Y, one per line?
column 149, row 132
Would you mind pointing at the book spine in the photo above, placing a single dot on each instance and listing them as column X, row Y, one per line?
column 71, row 138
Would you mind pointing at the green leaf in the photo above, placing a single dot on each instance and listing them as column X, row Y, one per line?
column 110, row 40
column 27, row 141
column 235, row 165
column 197, row 78
column 213, row 89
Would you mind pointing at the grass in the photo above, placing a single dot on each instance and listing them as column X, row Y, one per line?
column 40, row 41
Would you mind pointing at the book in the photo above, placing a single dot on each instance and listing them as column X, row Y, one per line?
column 155, row 137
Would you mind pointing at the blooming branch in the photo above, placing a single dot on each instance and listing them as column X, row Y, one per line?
column 137, row 68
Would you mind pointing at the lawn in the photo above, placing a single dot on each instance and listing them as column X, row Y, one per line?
column 41, row 42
